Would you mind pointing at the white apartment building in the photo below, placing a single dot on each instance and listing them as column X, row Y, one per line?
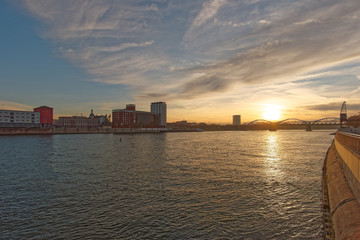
column 160, row 109
column 13, row 118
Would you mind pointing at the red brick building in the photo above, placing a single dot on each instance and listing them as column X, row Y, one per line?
column 46, row 116
column 130, row 118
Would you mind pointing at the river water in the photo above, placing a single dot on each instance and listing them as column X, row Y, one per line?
column 208, row 185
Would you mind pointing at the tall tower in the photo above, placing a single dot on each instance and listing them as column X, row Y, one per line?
column 343, row 113
column 160, row 109
column 236, row 120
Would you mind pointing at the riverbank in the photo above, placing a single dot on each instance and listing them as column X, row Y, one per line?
column 341, row 209
column 50, row 131
column 47, row 131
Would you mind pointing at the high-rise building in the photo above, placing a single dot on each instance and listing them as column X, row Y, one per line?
column 159, row 108
column 236, row 120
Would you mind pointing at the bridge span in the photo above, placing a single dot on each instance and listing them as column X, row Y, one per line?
column 294, row 123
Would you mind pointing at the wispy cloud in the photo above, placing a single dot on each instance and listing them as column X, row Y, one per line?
column 335, row 106
column 209, row 10
column 285, row 49
column 124, row 46
column 4, row 105
column 219, row 45
column 106, row 38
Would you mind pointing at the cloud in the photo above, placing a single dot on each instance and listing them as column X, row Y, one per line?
column 204, row 84
column 123, row 46
column 113, row 41
column 209, row 10
column 193, row 49
column 4, row 105
column 334, row 106
column 285, row 49
column 358, row 88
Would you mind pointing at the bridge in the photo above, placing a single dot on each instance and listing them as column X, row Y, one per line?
column 294, row 123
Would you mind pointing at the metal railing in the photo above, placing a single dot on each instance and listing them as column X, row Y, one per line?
column 350, row 140
column 350, row 130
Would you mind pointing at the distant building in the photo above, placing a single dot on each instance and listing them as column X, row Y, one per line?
column 93, row 121
column 159, row 108
column 353, row 121
column 130, row 118
column 236, row 120
column 14, row 118
column 92, row 115
column 103, row 120
column 46, row 116
column 77, row 122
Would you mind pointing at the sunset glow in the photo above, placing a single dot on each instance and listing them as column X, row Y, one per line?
column 207, row 59
column 271, row 112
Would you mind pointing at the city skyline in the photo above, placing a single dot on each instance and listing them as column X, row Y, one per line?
column 208, row 60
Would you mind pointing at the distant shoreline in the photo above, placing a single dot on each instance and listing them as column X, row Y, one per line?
column 210, row 128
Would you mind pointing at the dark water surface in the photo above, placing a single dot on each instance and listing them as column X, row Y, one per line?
column 209, row 185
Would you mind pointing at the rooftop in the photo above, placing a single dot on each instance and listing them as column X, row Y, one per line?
column 43, row 107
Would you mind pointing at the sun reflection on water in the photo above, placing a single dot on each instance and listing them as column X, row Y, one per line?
column 272, row 155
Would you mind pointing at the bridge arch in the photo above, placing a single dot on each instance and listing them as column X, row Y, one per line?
column 327, row 120
column 292, row 121
column 259, row 121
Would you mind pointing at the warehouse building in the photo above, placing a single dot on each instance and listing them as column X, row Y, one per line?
column 46, row 116
column 130, row 118
column 14, row 118
column 40, row 117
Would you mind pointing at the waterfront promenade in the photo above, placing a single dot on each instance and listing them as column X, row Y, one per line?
column 341, row 188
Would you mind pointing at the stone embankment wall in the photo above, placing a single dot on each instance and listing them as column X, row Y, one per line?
column 41, row 131
column 103, row 130
column 341, row 188
column 25, row 131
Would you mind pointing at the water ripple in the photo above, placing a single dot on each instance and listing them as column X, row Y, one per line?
column 210, row 185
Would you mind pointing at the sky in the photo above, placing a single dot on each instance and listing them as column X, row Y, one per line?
column 207, row 59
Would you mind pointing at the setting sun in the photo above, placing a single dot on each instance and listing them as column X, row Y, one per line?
column 271, row 112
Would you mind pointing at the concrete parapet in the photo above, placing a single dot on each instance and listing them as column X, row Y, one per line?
column 347, row 147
